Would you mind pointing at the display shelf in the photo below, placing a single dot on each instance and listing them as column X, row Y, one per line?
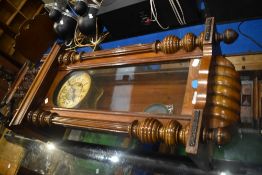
column 17, row 22
column 19, row 57
column 13, row 14
column 20, row 13
column 7, row 12
column 30, row 8
column 40, row 8
column 8, row 65
column 17, row 4
column 6, row 43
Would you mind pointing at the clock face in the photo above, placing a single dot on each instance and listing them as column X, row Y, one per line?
column 73, row 90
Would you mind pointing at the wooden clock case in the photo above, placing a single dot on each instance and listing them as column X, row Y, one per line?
column 205, row 113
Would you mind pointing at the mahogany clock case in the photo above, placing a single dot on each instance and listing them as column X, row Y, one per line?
column 130, row 79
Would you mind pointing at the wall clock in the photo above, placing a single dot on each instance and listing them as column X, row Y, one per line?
column 134, row 77
column 73, row 90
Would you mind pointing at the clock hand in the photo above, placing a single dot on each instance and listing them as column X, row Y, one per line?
column 73, row 90
column 70, row 85
column 68, row 94
column 73, row 94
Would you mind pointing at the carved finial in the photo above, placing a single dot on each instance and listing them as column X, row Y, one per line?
column 189, row 42
column 220, row 136
column 172, row 44
column 170, row 132
column 146, row 131
column 40, row 118
column 228, row 36
column 69, row 57
column 199, row 40
column 152, row 131
column 183, row 134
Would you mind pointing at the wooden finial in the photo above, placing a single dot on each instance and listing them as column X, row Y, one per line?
column 169, row 134
column 228, row 36
column 188, row 42
column 219, row 136
column 147, row 131
column 40, row 118
column 69, row 57
column 152, row 131
column 171, row 44
column 183, row 134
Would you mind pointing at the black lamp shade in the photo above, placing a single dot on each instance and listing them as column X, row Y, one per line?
column 65, row 28
column 87, row 23
column 55, row 14
column 80, row 8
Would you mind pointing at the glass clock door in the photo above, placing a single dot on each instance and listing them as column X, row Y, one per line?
column 151, row 88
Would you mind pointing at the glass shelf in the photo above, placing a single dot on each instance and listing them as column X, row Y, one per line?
column 87, row 152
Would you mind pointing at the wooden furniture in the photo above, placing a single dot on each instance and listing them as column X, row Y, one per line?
column 184, row 74
column 13, row 14
column 249, row 62
column 43, row 37
column 19, row 21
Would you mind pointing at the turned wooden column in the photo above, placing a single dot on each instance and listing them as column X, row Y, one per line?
column 152, row 130
column 189, row 42
column 149, row 130
column 169, row 45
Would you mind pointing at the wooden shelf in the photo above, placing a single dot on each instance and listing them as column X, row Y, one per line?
column 30, row 8
column 17, row 22
column 23, row 15
column 6, row 43
column 13, row 14
column 40, row 8
column 19, row 57
column 7, row 12
column 18, row 4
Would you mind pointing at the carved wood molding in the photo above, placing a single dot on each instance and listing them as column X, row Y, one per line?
column 39, row 85
column 17, row 82
column 124, row 117
column 217, row 103
column 200, row 101
column 152, row 131
column 201, row 92
column 169, row 45
column 223, row 95
column 128, row 59
column 149, row 130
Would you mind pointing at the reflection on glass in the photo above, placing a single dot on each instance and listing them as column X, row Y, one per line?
column 127, row 89
column 242, row 156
